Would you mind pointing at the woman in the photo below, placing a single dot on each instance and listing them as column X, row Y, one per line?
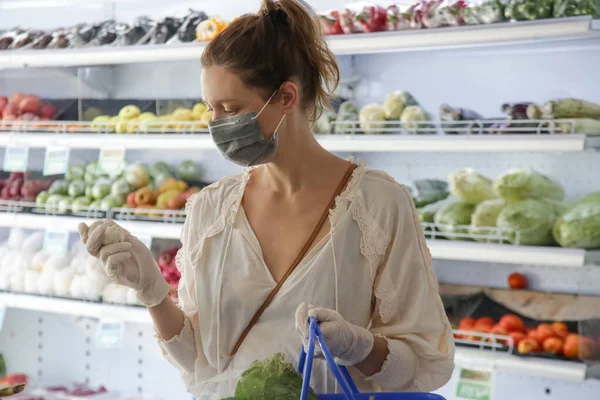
column 304, row 233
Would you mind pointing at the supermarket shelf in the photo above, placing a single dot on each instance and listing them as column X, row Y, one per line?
column 74, row 307
column 499, row 361
column 510, row 254
column 342, row 143
column 543, row 30
column 58, row 223
column 440, row 249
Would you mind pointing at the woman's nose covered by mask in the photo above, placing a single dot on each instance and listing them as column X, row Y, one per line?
column 240, row 139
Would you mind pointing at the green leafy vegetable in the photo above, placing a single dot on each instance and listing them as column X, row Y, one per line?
column 521, row 184
column 429, row 191
column 485, row 216
column 580, row 225
column 453, row 219
column 470, row 186
column 529, row 222
column 271, row 379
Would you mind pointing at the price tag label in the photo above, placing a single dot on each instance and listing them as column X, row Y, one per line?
column 111, row 161
column 146, row 239
column 56, row 161
column 16, row 158
column 56, row 242
column 474, row 384
column 110, row 334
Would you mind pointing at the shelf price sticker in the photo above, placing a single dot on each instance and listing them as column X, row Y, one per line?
column 16, row 158
column 56, row 242
column 111, row 161
column 56, row 161
column 110, row 334
column 474, row 384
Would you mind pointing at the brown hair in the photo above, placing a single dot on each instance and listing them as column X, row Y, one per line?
column 283, row 41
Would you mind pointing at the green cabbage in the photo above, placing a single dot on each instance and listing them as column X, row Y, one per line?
column 485, row 216
column 453, row 219
column 470, row 186
column 413, row 117
column 580, row 225
column 427, row 213
column 270, row 379
column 370, row 118
column 521, row 184
column 346, row 121
column 528, row 222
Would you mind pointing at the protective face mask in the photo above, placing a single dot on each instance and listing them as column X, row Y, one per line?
column 240, row 139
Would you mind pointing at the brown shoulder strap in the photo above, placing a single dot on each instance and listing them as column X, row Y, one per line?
column 299, row 258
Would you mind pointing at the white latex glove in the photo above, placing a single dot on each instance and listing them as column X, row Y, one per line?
column 348, row 343
column 127, row 261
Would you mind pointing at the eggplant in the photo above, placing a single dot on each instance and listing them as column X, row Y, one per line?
column 187, row 31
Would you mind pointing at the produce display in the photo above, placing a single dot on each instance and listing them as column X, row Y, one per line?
column 272, row 378
column 26, row 268
column 553, row 339
column 131, row 119
column 522, row 207
column 142, row 31
column 155, row 188
column 21, row 107
column 361, row 18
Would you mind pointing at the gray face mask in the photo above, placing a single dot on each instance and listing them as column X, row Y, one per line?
column 239, row 139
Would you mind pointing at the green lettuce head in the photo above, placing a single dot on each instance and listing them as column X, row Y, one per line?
column 470, row 186
column 521, row 184
column 529, row 222
column 485, row 216
column 453, row 219
column 580, row 226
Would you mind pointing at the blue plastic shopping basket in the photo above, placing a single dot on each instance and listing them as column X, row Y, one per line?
column 342, row 376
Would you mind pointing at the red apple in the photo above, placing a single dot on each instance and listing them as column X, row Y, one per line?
column 30, row 104
column 467, row 324
column 498, row 330
column 164, row 259
column 16, row 98
column 560, row 329
column 3, row 103
column 484, row 322
column 544, row 331
column 528, row 345
column 48, row 111
column 517, row 337
column 553, row 345
column 10, row 109
column 512, row 323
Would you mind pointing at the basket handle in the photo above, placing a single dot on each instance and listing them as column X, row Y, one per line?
column 341, row 374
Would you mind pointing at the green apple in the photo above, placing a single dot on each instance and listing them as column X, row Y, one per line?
column 120, row 187
column 101, row 189
column 136, row 176
column 92, row 168
column 42, row 198
column 59, row 187
column 95, row 204
column 90, row 178
column 113, row 123
column 147, row 115
column 74, row 173
column 80, row 204
column 111, row 201
column 129, row 112
column 64, row 205
column 52, row 202
column 121, row 125
column 100, row 123
column 88, row 191
column 76, row 189
column 160, row 168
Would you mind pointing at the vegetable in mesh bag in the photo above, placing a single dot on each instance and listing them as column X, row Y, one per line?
column 453, row 220
column 485, row 217
column 580, row 225
column 395, row 103
column 470, row 186
column 521, row 184
column 270, row 379
column 370, row 118
column 528, row 222
column 346, row 121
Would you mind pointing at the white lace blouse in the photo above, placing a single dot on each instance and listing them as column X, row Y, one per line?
column 373, row 267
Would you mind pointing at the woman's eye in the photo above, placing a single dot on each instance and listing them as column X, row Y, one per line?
column 230, row 112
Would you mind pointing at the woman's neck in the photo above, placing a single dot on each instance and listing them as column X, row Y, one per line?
column 300, row 161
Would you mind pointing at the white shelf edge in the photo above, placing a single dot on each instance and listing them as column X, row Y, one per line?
column 343, row 143
column 553, row 369
column 510, row 254
column 549, row 29
column 74, row 307
column 440, row 249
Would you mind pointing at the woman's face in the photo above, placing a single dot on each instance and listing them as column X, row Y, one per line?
column 227, row 96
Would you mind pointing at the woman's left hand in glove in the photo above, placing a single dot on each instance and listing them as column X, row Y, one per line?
column 348, row 343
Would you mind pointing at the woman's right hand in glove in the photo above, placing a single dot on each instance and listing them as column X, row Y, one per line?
column 126, row 260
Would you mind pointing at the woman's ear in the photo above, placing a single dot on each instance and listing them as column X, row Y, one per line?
column 288, row 95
